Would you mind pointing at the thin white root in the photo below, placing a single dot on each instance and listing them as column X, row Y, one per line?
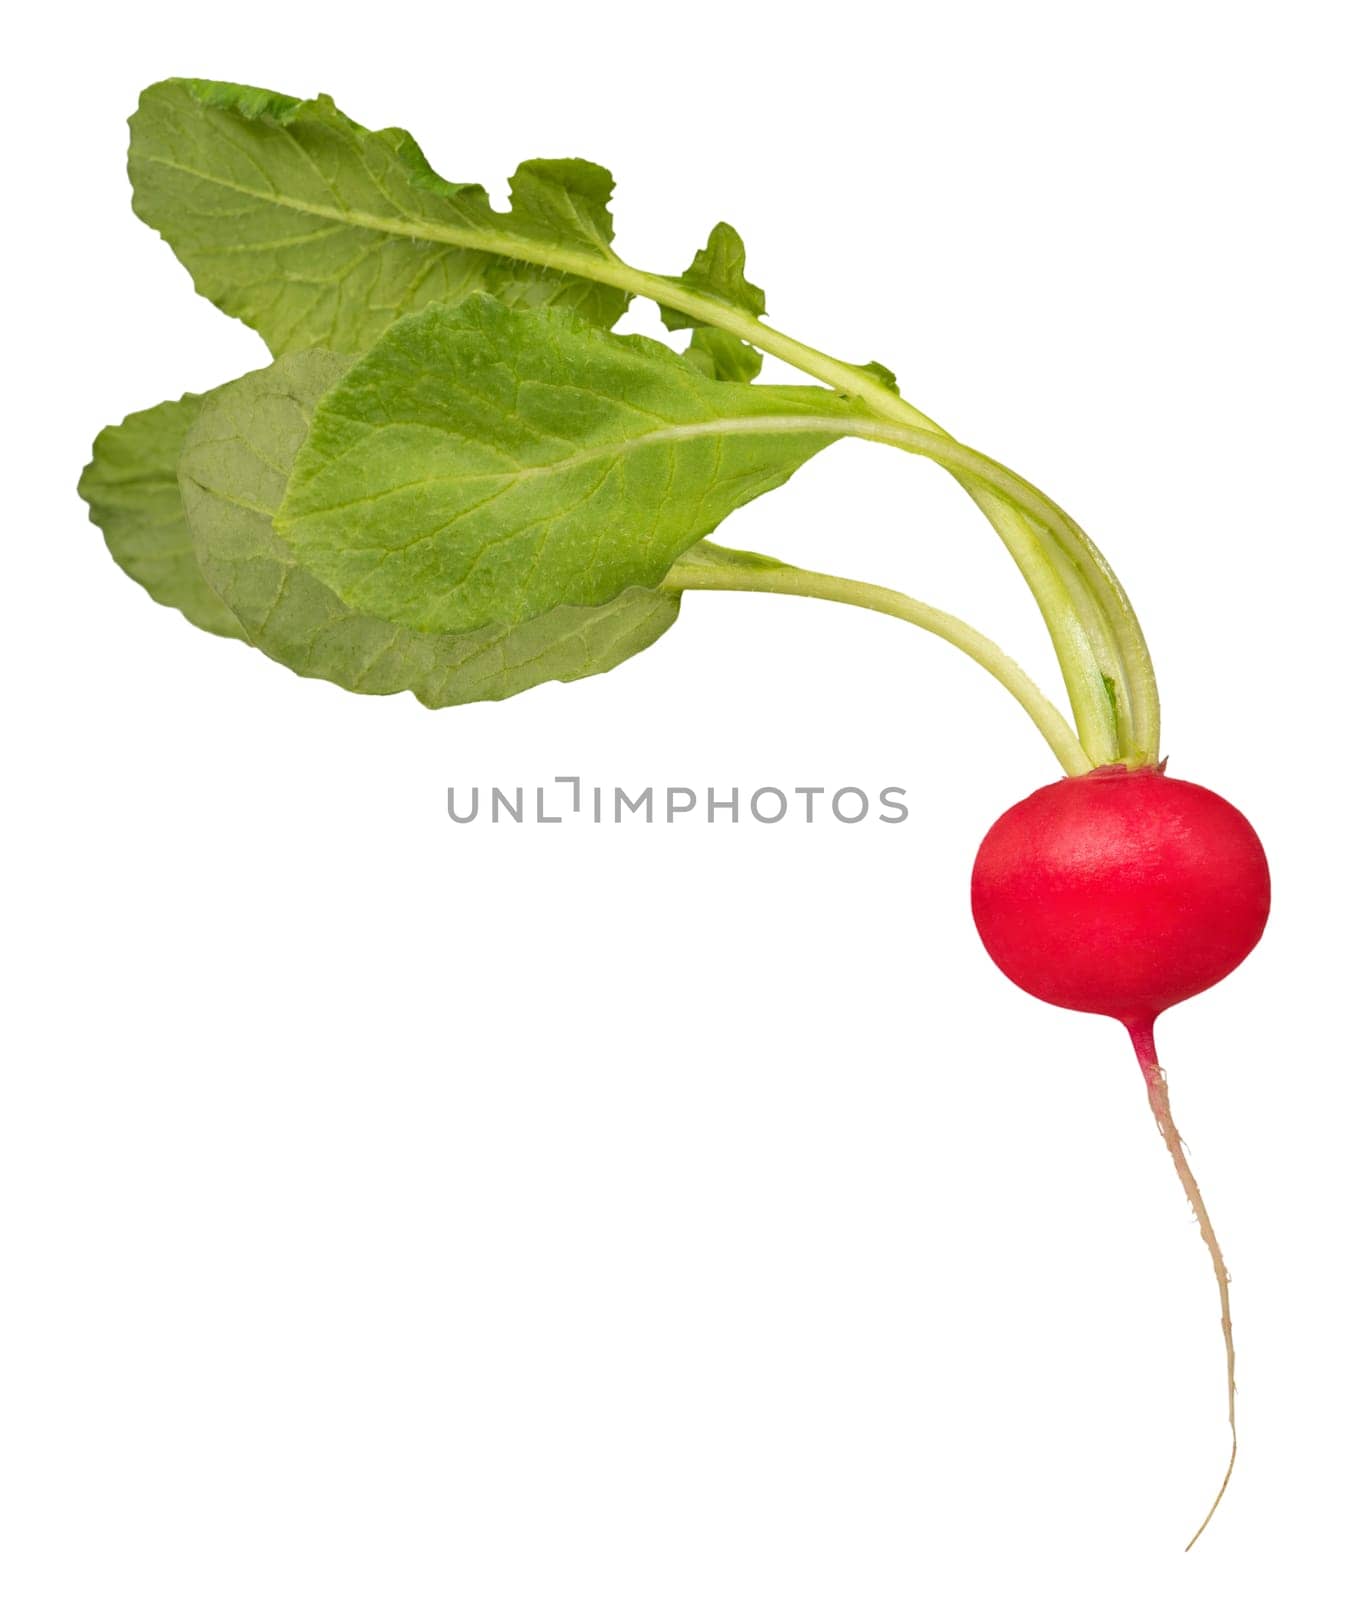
column 1158, row 1092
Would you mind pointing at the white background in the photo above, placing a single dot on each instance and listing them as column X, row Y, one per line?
column 396, row 1209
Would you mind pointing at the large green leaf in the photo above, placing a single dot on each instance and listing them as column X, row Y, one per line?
column 131, row 486
column 482, row 464
column 318, row 232
column 233, row 473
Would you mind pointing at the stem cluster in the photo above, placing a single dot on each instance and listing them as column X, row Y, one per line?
column 1098, row 641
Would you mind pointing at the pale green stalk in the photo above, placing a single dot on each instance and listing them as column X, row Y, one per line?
column 694, row 571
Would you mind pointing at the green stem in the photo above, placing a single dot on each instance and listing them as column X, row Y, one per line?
column 1074, row 642
column 1094, row 709
column 1086, row 649
column 998, row 491
column 1081, row 653
column 1103, row 641
column 1090, row 698
column 709, row 567
column 1102, row 607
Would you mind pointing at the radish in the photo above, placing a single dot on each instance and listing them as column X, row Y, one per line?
column 1124, row 892
column 456, row 480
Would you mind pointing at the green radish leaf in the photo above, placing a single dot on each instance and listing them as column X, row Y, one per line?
column 717, row 270
column 564, row 201
column 484, row 465
column 131, row 486
column 720, row 355
column 320, row 233
column 233, row 473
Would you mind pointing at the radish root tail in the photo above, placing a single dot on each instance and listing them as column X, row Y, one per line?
column 1157, row 1091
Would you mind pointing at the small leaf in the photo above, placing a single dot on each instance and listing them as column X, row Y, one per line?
column 320, row 233
column 877, row 369
column 718, row 270
column 565, row 200
column 720, row 355
column 484, row 465
column 233, row 472
column 131, row 486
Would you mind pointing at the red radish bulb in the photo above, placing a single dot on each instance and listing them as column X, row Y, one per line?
column 1120, row 892
column 1124, row 892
